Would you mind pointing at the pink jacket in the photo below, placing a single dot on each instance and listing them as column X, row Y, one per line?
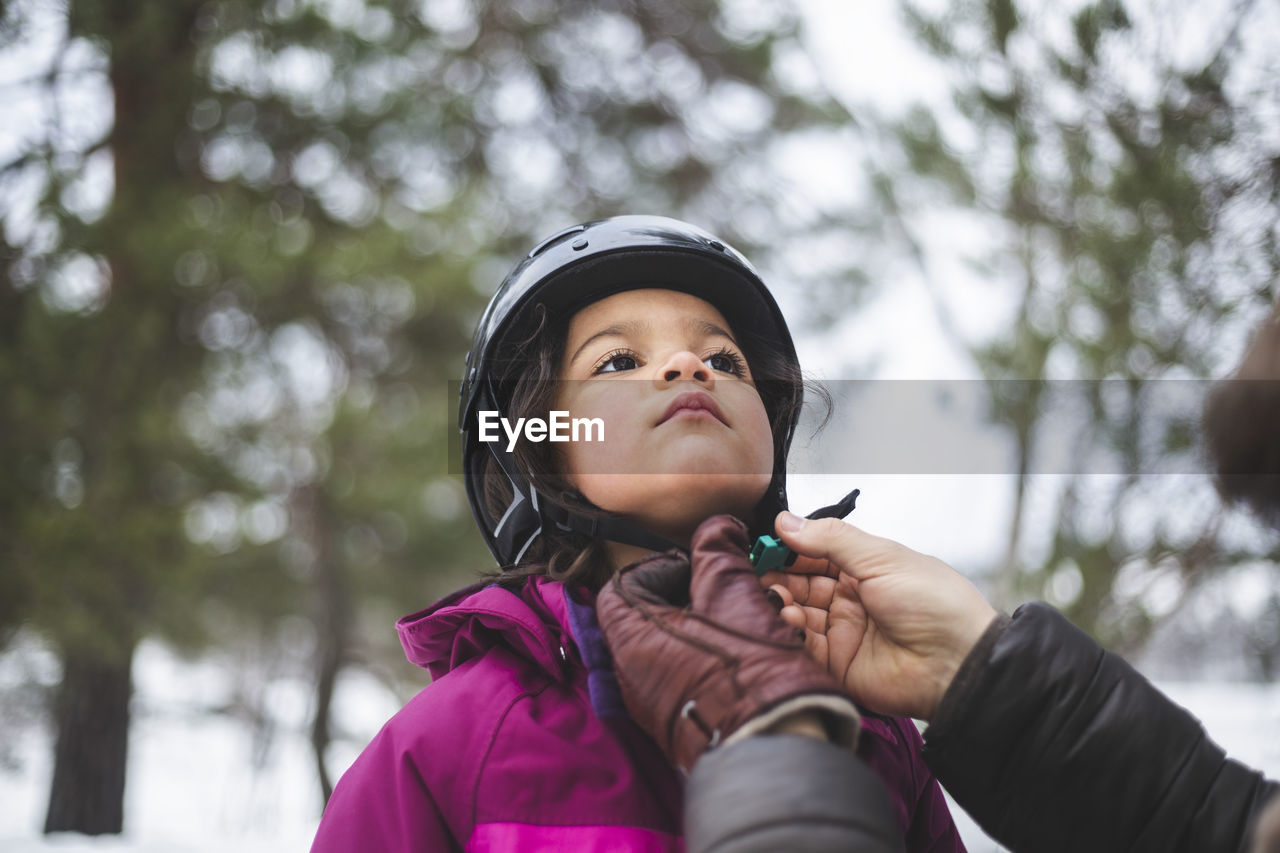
column 521, row 742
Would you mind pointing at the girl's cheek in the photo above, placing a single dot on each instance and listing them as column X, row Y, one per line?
column 612, row 398
column 615, row 408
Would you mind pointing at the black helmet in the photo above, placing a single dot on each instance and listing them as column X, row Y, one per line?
column 567, row 271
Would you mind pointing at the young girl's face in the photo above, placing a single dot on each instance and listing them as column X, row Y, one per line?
column 686, row 434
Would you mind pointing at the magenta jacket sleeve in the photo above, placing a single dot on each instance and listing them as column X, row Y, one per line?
column 894, row 749
column 382, row 804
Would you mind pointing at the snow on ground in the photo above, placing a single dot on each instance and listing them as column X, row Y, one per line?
column 202, row 783
column 199, row 782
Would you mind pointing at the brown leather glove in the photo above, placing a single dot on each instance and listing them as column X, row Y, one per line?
column 701, row 655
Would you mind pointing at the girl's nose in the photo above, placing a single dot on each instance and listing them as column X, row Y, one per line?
column 685, row 365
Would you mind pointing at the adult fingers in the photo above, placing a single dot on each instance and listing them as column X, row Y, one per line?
column 810, row 590
column 845, row 547
column 793, row 615
column 810, row 566
column 812, row 619
column 779, row 594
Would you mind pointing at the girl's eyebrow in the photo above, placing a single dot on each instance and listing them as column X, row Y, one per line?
column 628, row 327
column 632, row 327
column 708, row 329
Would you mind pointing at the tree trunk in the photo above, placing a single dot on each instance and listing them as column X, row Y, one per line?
column 333, row 618
column 328, row 665
column 92, row 715
column 152, row 75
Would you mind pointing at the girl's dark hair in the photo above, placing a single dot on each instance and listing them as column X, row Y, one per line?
column 1241, row 420
column 525, row 373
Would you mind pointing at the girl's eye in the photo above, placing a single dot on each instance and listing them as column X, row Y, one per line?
column 722, row 361
column 616, row 362
column 726, row 361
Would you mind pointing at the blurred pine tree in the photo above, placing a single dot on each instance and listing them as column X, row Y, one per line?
column 1128, row 176
column 245, row 244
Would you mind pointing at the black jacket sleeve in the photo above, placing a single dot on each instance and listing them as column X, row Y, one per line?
column 787, row 792
column 1052, row 743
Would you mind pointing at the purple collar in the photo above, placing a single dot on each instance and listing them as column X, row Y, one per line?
column 602, row 682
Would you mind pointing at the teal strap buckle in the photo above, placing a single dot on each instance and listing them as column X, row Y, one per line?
column 769, row 553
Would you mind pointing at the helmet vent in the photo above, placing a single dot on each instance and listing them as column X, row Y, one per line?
column 555, row 238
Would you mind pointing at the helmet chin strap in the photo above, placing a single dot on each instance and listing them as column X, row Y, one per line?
column 610, row 528
column 624, row 532
column 614, row 529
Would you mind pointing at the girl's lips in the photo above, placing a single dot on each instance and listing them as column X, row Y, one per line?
column 693, row 401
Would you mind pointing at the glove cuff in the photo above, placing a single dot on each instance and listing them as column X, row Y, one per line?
column 839, row 716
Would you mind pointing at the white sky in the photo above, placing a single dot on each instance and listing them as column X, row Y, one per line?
column 866, row 58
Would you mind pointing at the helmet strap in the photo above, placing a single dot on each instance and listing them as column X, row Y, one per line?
column 611, row 528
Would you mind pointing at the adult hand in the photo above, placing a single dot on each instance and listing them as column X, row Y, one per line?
column 701, row 654
column 891, row 624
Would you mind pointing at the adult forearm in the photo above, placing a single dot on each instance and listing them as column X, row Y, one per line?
column 1052, row 743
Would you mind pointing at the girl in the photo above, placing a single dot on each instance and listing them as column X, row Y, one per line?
column 522, row 742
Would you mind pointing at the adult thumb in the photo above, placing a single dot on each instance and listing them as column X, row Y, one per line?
column 831, row 539
column 789, row 522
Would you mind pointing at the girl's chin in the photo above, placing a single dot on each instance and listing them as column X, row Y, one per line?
column 675, row 496
column 678, row 522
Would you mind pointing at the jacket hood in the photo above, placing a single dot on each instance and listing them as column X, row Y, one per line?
column 533, row 623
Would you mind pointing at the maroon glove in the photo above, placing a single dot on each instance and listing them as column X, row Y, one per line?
column 701, row 655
